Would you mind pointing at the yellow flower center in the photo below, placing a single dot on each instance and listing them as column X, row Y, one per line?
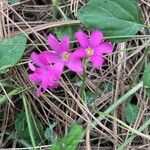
column 89, row 52
column 66, row 56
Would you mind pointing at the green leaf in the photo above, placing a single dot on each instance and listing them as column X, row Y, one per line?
column 66, row 30
column 131, row 112
column 13, row 1
column 49, row 133
column 90, row 97
column 113, row 17
column 55, row 3
column 11, row 51
column 146, row 76
column 106, row 86
column 146, row 79
column 21, row 127
column 24, row 143
column 71, row 140
column 148, row 92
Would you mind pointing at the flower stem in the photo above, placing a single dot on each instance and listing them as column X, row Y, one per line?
column 83, row 86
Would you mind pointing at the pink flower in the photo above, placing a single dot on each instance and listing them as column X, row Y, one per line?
column 62, row 56
column 44, row 73
column 93, row 47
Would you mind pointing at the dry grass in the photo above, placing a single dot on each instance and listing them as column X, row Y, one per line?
column 122, row 70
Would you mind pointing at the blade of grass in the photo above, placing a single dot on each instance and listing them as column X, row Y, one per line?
column 4, row 99
column 34, row 122
column 124, row 97
column 125, row 125
column 122, row 146
column 128, row 36
column 28, row 121
column 120, row 100
column 6, row 94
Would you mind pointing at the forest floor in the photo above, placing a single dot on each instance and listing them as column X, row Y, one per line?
column 119, row 79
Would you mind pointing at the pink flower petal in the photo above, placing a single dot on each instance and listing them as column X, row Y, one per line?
column 38, row 92
column 65, row 45
column 42, row 59
column 79, row 53
column 97, row 61
column 57, row 70
column 35, row 58
column 33, row 78
column 75, row 65
column 45, row 77
column 96, row 38
column 31, row 66
column 54, row 57
column 49, row 80
column 54, row 44
column 55, row 85
column 82, row 38
column 45, row 82
column 104, row 48
column 37, row 76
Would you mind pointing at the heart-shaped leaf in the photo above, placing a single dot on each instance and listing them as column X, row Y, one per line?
column 113, row 17
column 11, row 51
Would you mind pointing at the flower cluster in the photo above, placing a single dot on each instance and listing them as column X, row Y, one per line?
column 48, row 66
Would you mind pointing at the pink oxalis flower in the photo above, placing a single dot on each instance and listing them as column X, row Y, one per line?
column 48, row 66
column 62, row 56
column 44, row 73
column 93, row 47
